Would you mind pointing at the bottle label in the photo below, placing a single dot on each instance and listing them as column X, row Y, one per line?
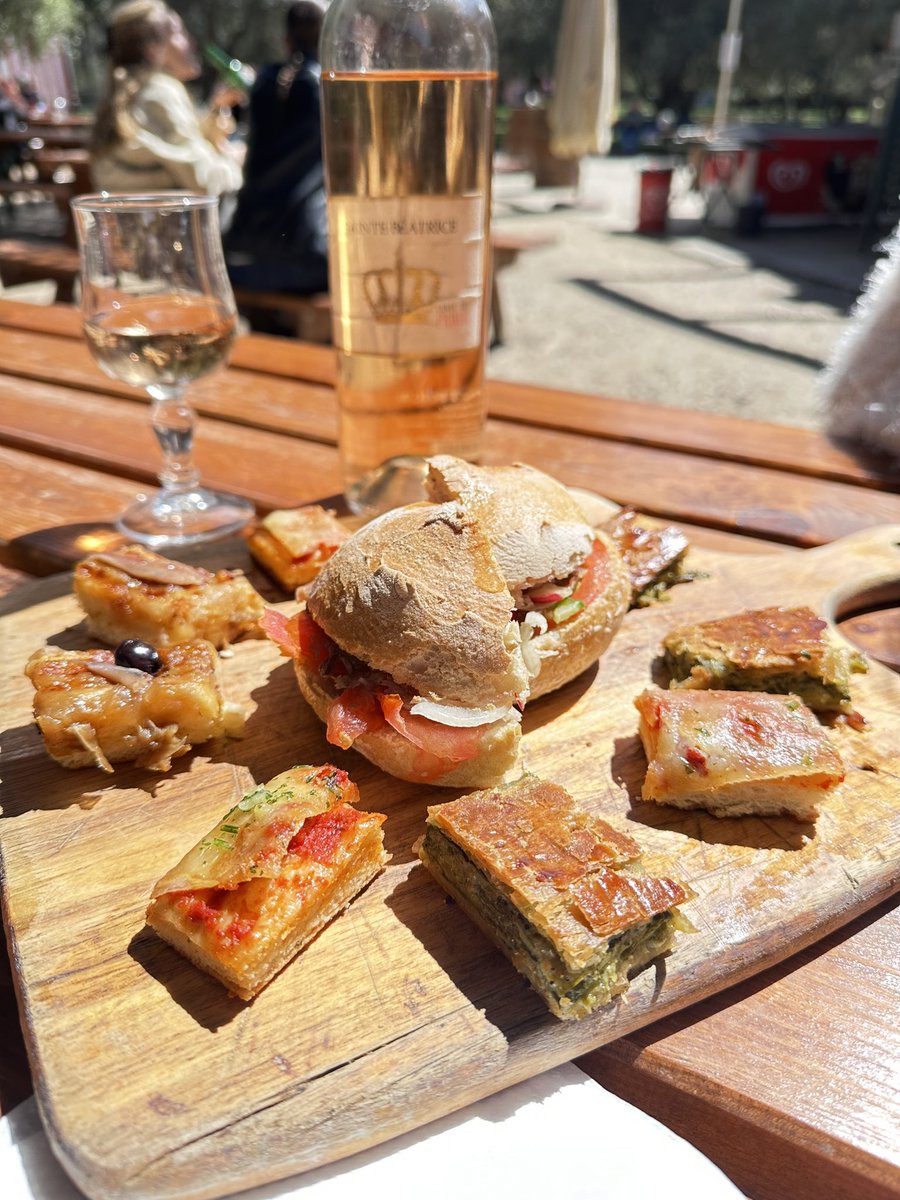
column 407, row 273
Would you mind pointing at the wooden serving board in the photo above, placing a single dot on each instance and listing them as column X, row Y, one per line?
column 152, row 1082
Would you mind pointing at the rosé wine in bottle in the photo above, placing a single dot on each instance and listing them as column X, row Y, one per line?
column 408, row 92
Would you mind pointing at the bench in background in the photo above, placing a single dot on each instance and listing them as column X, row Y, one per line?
column 309, row 317
column 305, row 317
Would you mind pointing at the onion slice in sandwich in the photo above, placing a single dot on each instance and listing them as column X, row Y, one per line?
column 459, row 717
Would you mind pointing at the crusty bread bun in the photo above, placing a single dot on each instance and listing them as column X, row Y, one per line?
column 539, row 533
column 535, row 527
column 387, row 749
column 416, row 593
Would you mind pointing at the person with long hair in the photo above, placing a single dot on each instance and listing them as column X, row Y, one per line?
column 147, row 134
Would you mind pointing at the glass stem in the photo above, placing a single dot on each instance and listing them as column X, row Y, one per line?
column 173, row 422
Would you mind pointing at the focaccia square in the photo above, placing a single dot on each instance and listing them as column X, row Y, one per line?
column 134, row 593
column 281, row 864
column 735, row 753
column 294, row 544
column 560, row 892
column 93, row 712
column 782, row 650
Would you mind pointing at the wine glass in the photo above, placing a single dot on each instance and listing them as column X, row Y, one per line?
column 158, row 313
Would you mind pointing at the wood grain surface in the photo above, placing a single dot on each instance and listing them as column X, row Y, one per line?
column 152, row 1081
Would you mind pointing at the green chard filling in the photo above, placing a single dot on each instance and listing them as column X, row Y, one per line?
column 571, row 993
column 818, row 694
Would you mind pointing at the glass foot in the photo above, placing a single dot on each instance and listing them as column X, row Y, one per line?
column 398, row 481
column 184, row 518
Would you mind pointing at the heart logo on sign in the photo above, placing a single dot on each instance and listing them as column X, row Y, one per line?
column 787, row 175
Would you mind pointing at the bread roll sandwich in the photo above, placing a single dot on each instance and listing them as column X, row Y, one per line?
column 569, row 584
column 408, row 651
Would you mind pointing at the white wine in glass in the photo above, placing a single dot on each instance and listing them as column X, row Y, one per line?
column 159, row 313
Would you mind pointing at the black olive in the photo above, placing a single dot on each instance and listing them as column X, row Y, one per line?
column 139, row 655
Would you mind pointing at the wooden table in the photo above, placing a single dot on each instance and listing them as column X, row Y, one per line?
column 790, row 1081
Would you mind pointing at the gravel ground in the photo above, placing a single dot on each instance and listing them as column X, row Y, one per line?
column 696, row 319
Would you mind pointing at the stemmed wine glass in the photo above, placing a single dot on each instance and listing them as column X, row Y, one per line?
column 158, row 313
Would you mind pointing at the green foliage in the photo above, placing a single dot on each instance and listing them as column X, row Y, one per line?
column 799, row 56
column 29, row 25
column 825, row 56
column 526, row 36
column 796, row 54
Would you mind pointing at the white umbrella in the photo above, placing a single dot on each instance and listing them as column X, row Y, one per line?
column 586, row 96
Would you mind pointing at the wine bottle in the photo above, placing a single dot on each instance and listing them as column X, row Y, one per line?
column 234, row 72
column 408, row 96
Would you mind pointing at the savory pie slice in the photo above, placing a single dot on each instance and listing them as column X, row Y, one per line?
column 767, row 650
column 654, row 556
column 134, row 593
column 559, row 891
column 294, row 544
column 735, row 753
column 93, row 712
column 281, row 864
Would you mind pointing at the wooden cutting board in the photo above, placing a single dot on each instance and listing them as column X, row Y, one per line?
column 152, row 1082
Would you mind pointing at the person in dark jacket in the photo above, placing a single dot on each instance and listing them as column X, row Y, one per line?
column 278, row 237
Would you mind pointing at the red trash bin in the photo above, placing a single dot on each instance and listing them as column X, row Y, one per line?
column 654, row 199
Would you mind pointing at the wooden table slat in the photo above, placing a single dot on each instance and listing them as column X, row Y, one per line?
column 781, row 447
column 799, row 1009
column 790, row 1082
column 277, row 472
column 290, row 406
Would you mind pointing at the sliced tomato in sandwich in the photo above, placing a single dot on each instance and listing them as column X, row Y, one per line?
column 358, row 710
column 595, row 579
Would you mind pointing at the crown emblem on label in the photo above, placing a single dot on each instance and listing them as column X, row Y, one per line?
column 398, row 293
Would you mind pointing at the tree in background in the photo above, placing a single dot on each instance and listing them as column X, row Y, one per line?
column 668, row 56
column 813, row 56
column 816, row 56
column 526, row 37
column 822, row 57
column 30, row 24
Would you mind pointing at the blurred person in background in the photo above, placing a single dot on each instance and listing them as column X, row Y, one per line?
column 278, row 239
column 13, row 114
column 147, row 134
column 860, row 385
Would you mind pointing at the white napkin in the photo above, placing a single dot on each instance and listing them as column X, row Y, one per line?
column 557, row 1135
